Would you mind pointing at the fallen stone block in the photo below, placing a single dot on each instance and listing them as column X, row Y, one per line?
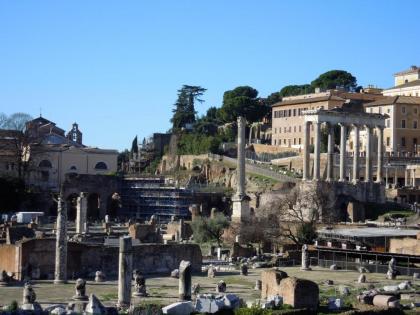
column 299, row 293
column 179, row 308
column 388, row 301
column 391, row 288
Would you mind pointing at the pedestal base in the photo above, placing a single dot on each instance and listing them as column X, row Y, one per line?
column 240, row 209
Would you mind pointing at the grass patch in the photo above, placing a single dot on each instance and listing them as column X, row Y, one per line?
column 109, row 297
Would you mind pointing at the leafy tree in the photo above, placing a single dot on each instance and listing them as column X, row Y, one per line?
column 291, row 90
column 335, row 78
column 273, row 98
column 242, row 101
column 12, row 192
column 210, row 229
column 134, row 147
column 184, row 111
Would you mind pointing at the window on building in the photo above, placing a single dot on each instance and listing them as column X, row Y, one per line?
column 403, row 109
column 415, row 110
column 403, row 141
column 300, row 128
column 284, row 130
column 284, row 141
column 294, row 129
column 389, row 110
column 290, row 128
column 45, row 164
column 294, row 112
column 415, row 124
column 388, row 141
column 300, row 140
column 414, row 142
column 279, row 130
column 101, row 166
column 275, row 130
column 275, row 142
column 290, row 113
column 294, row 141
column 403, row 123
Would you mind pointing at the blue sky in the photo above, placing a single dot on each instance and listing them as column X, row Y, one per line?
column 115, row 66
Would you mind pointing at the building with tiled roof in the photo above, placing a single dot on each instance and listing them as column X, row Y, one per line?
column 407, row 83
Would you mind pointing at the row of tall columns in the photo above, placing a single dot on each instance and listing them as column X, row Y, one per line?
column 410, row 179
column 355, row 174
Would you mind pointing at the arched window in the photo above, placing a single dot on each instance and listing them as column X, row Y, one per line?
column 45, row 164
column 101, row 166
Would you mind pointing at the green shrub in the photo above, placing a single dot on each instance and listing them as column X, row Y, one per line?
column 13, row 306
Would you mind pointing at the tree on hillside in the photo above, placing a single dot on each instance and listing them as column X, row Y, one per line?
column 210, row 229
column 273, row 98
column 208, row 124
column 15, row 140
column 134, row 148
column 242, row 101
column 335, row 78
column 291, row 90
column 184, row 111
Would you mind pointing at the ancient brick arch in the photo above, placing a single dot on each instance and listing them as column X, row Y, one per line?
column 99, row 188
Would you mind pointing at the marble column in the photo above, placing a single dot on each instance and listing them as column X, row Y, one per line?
column 386, row 176
column 60, row 275
column 317, row 151
column 356, row 154
column 406, row 177
column 343, row 134
column 125, row 271
column 368, row 151
column 379, row 173
column 81, row 213
column 306, row 153
column 330, row 153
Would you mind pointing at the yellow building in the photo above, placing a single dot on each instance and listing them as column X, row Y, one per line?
column 407, row 83
column 402, row 130
column 287, row 118
column 52, row 154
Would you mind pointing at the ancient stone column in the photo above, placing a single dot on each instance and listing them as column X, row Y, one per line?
column 60, row 275
column 185, row 280
column 81, row 213
column 317, row 151
column 379, row 173
column 343, row 133
column 356, row 153
column 125, row 271
column 406, row 177
column 368, row 174
column 240, row 200
column 306, row 153
column 386, row 177
column 395, row 176
column 305, row 258
column 241, row 157
column 413, row 178
column 330, row 154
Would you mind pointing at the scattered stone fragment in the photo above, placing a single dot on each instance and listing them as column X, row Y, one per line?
column 195, row 289
column 258, row 285
column 244, row 269
column 175, row 273
column 362, row 279
column 211, row 273
column 179, row 308
column 29, row 300
column 385, row 301
column 363, row 270
column 344, row 290
column 328, row 282
column 335, row 304
column 366, row 297
column 99, row 276
column 299, row 293
column 95, row 307
column 80, row 290
column 416, row 276
column 333, row 267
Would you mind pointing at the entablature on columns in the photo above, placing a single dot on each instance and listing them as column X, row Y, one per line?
column 336, row 117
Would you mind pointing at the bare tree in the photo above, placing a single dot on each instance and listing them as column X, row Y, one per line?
column 14, row 141
column 295, row 214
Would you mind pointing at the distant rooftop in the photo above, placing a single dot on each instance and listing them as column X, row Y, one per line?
column 412, row 69
column 369, row 232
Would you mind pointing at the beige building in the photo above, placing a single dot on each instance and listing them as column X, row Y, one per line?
column 52, row 154
column 402, row 130
column 287, row 118
column 407, row 83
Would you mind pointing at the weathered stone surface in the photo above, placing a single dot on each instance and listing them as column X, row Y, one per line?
column 391, row 288
column 274, row 301
column 99, row 276
column 209, row 304
column 211, row 272
column 334, row 303
column 195, row 289
column 95, row 307
column 80, row 290
column 333, row 267
column 392, row 269
column 139, row 284
column 305, row 258
column 404, row 285
column 344, row 290
column 366, row 297
column 61, row 243
column 125, row 271
column 299, row 293
column 179, row 308
column 362, row 279
column 328, row 282
column 416, row 276
column 387, row 301
column 185, row 280
column 258, row 285
column 363, row 270
column 244, row 269
column 271, row 282
column 175, row 273
column 29, row 300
